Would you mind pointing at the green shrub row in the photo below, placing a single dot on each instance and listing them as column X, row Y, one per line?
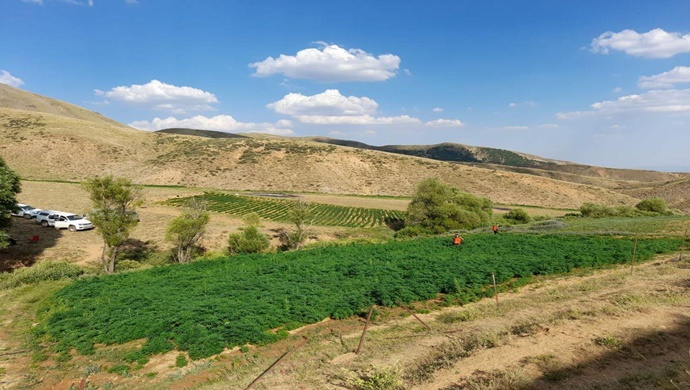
column 206, row 306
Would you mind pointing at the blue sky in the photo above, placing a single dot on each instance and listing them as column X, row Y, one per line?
column 596, row 82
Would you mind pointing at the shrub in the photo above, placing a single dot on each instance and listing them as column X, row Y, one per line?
column 47, row 270
column 654, row 205
column 517, row 215
column 250, row 240
column 124, row 265
column 412, row 231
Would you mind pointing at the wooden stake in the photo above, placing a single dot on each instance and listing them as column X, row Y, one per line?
column 682, row 245
column 364, row 332
column 493, row 276
column 414, row 315
column 632, row 261
column 286, row 354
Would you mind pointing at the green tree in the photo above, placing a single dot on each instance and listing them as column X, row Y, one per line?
column 10, row 186
column 187, row 229
column 438, row 208
column 653, row 205
column 114, row 200
column 301, row 216
column 249, row 239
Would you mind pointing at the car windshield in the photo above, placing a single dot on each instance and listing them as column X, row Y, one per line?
column 73, row 217
column 27, row 208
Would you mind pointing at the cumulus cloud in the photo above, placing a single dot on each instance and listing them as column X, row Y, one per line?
column 445, row 123
column 655, row 43
column 330, row 64
column 677, row 75
column 331, row 107
column 656, row 101
column 162, row 96
column 224, row 123
column 437, row 109
column 8, row 79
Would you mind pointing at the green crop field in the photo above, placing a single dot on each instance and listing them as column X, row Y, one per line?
column 277, row 210
column 209, row 305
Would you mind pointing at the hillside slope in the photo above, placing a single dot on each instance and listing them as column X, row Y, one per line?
column 52, row 146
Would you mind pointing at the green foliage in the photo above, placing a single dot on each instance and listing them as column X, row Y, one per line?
column 440, row 208
column 517, row 215
column 187, row 229
column 124, row 265
column 180, row 361
column 114, row 200
column 249, row 240
column 592, row 210
column 653, row 205
column 205, row 306
column 279, row 210
column 301, row 216
column 40, row 272
column 10, row 186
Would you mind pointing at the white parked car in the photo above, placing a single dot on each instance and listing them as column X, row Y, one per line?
column 69, row 221
column 42, row 217
column 26, row 211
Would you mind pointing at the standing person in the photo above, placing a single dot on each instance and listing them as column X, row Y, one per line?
column 495, row 229
column 457, row 240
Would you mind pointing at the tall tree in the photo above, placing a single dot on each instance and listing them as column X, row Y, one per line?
column 10, row 186
column 114, row 203
column 187, row 229
column 438, row 208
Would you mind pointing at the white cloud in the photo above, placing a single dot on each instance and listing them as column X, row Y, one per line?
column 224, row 123
column 549, row 126
column 8, row 79
column 512, row 105
column 526, row 103
column 162, row 96
column 657, row 101
column 330, row 64
column 655, row 43
column 132, row 1
column 437, row 109
column 515, row 127
column 407, row 72
column 39, row 2
column 78, row 2
column 330, row 107
column 677, row 75
column 445, row 123
column 617, row 90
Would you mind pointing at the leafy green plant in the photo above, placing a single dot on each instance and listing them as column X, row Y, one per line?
column 209, row 305
column 42, row 271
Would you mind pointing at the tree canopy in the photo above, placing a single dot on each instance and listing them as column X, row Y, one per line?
column 438, row 208
column 10, row 186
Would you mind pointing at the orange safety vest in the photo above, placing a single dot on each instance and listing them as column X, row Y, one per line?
column 457, row 240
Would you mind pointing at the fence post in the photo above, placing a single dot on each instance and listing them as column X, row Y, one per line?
column 364, row 332
column 280, row 359
column 415, row 316
column 493, row 277
column 632, row 261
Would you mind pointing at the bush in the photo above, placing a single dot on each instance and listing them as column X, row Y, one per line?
column 250, row 240
column 124, row 265
column 653, row 205
column 47, row 270
column 412, row 231
column 518, row 216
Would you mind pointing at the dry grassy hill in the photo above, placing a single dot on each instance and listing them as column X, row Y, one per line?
column 69, row 143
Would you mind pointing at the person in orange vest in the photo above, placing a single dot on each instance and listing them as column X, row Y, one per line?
column 457, row 240
column 495, row 229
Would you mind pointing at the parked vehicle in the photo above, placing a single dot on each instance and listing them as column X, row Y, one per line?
column 26, row 211
column 69, row 221
column 42, row 217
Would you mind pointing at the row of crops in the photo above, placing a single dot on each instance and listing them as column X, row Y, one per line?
column 277, row 210
column 206, row 306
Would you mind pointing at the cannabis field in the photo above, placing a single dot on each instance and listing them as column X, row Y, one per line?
column 277, row 210
column 206, row 306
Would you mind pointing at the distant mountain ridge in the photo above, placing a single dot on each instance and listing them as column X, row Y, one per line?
column 46, row 139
